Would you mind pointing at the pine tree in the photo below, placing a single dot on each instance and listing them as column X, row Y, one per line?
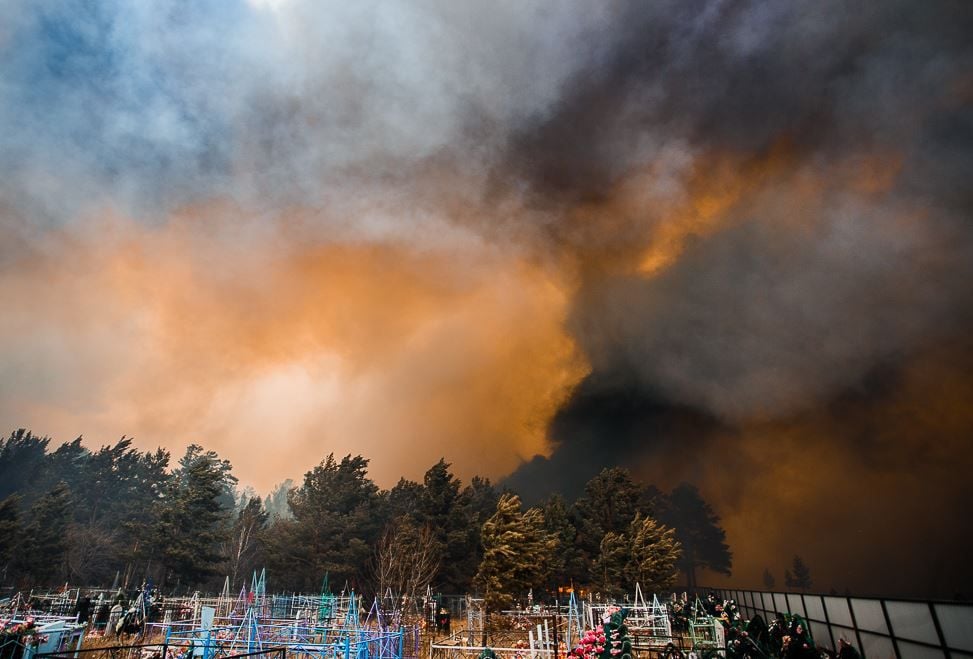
column 654, row 555
column 614, row 554
column 21, row 463
column 769, row 581
column 135, row 515
column 196, row 453
column 10, row 530
column 477, row 503
column 117, row 498
column 800, row 579
column 69, row 463
column 565, row 558
column 698, row 531
column 403, row 499
column 193, row 520
column 338, row 518
column 438, row 508
column 609, row 504
column 455, row 515
column 45, row 540
column 647, row 554
column 515, row 553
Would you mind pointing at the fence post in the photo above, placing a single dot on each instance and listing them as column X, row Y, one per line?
column 888, row 624
column 347, row 647
column 557, row 644
column 854, row 624
column 827, row 621
column 939, row 630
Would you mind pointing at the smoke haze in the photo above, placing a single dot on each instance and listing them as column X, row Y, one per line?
column 722, row 242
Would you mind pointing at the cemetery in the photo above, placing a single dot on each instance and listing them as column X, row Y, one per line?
column 343, row 625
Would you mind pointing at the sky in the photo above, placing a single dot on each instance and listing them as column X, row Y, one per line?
column 714, row 241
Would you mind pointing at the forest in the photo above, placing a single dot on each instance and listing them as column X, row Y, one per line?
column 93, row 517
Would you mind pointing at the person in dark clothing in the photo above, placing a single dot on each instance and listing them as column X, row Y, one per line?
column 442, row 621
column 846, row 650
column 102, row 614
column 83, row 609
column 801, row 645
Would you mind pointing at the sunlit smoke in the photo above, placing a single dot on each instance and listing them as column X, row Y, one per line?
column 695, row 232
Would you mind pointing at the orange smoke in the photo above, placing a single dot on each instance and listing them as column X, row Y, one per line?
column 834, row 484
column 722, row 187
column 275, row 349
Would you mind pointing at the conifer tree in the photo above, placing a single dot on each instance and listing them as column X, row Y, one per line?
column 614, row 554
column 654, row 554
column 438, row 507
column 565, row 558
column 515, row 553
column 698, row 531
column 800, row 579
column 479, row 501
column 769, row 581
column 193, row 521
column 609, row 503
column 45, row 535
column 9, row 530
column 647, row 554
column 337, row 520
column 403, row 499
column 21, row 462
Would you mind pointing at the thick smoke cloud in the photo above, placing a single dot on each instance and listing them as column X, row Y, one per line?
column 275, row 351
column 724, row 242
column 148, row 106
column 775, row 247
column 224, row 220
column 835, row 240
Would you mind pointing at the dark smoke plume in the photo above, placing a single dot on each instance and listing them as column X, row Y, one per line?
column 738, row 231
column 771, row 210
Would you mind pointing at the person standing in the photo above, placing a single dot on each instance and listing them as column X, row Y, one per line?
column 846, row 650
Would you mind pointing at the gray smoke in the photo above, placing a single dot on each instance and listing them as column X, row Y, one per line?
column 847, row 242
column 757, row 209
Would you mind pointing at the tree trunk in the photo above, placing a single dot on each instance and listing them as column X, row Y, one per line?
column 691, row 576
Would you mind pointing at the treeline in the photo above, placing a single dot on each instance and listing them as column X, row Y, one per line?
column 86, row 516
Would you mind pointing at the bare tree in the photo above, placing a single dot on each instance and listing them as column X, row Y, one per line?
column 242, row 546
column 405, row 561
column 91, row 553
